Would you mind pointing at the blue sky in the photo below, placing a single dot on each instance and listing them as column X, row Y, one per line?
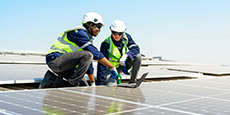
column 196, row 31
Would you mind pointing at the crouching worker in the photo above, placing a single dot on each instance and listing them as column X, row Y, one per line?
column 70, row 56
column 120, row 49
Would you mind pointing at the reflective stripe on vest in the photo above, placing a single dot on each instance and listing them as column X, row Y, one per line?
column 114, row 53
column 64, row 45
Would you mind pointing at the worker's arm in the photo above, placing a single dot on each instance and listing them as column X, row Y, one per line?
column 106, row 62
column 91, row 78
column 81, row 39
column 90, row 74
column 133, row 48
column 102, row 68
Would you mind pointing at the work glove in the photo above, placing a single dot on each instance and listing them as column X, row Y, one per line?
column 114, row 72
column 123, row 60
column 125, row 70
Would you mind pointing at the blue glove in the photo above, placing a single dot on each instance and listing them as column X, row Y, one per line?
column 125, row 70
column 114, row 72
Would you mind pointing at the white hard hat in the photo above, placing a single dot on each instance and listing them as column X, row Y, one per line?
column 118, row 26
column 92, row 17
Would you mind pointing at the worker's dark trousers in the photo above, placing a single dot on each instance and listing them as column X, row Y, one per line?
column 136, row 64
column 65, row 65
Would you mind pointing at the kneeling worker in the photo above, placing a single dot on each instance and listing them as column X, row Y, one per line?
column 120, row 49
column 72, row 53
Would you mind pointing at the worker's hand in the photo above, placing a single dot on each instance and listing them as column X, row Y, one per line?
column 125, row 70
column 114, row 72
column 123, row 60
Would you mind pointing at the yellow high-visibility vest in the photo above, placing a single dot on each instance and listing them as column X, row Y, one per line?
column 113, row 53
column 64, row 45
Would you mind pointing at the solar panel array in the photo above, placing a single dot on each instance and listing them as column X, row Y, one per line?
column 26, row 73
column 32, row 73
column 209, row 95
column 17, row 69
column 198, row 96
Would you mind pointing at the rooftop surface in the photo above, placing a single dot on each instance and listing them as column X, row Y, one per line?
column 204, row 90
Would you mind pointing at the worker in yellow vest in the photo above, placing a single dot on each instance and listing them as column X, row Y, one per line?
column 71, row 55
column 121, row 50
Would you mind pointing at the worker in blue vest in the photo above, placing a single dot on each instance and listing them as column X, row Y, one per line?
column 121, row 50
column 71, row 55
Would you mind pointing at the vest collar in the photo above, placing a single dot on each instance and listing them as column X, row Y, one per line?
column 88, row 32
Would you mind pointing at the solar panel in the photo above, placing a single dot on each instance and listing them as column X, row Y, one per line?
column 199, row 96
column 6, row 81
column 24, row 73
column 154, row 72
column 17, row 69
column 160, row 72
column 164, row 63
column 208, row 69
column 31, row 73
column 21, row 73
column 18, row 58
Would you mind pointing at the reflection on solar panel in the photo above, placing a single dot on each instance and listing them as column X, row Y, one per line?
column 198, row 96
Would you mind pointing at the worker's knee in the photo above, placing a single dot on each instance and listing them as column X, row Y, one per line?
column 138, row 58
column 89, row 56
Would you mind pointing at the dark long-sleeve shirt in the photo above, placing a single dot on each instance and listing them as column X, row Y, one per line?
column 133, row 51
column 80, row 38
